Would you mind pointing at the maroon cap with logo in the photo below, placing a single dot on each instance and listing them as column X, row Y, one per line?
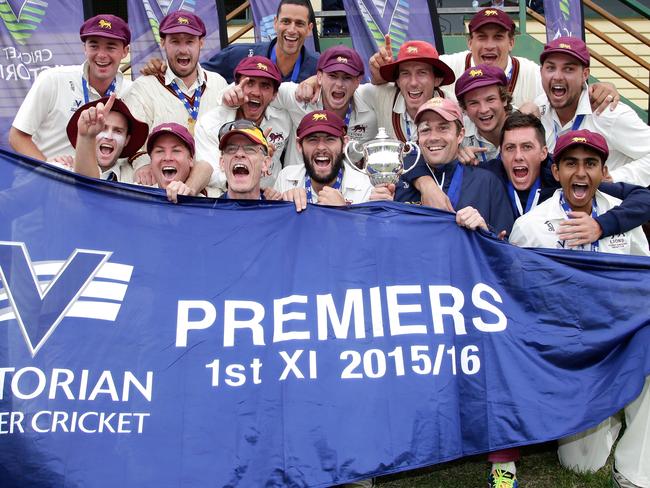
column 447, row 109
column 478, row 76
column 581, row 137
column 570, row 46
column 259, row 66
column 341, row 58
column 321, row 121
column 106, row 25
column 417, row 51
column 182, row 22
column 137, row 129
column 491, row 16
column 171, row 128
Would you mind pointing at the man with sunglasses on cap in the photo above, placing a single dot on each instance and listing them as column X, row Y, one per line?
column 170, row 147
column 38, row 129
column 184, row 93
column 565, row 106
column 258, row 80
column 323, row 178
column 579, row 166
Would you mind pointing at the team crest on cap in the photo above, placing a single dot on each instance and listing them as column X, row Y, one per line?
column 262, row 66
column 105, row 24
column 436, row 101
column 579, row 139
column 565, row 46
column 166, row 128
column 489, row 13
column 183, row 20
column 343, row 60
column 412, row 50
column 319, row 117
column 476, row 72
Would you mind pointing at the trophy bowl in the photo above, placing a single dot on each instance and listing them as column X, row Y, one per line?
column 383, row 158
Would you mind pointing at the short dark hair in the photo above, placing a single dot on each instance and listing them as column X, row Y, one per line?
column 301, row 3
column 504, row 94
column 518, row 120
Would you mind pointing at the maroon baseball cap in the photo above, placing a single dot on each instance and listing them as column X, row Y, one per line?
column 447, row 109
column 171, row 128
column 570, row 46
column 182, row 22
column 321, row 121
column 417, row 51
column 341, row 58
column 259, row 66
column 106, row 25
column 581, row 137
column 137, row 129
column 478, row 76
column 491, row 16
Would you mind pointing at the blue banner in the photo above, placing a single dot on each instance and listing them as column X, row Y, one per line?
column 35, row 35
column 144, row 21
column 264, row 12
column 243, row 344
column 370, row 20
column 564, row 18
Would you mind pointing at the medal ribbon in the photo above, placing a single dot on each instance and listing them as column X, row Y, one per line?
column 453, row 192
column 575, row 126
column 533, row 198
column 594, row 214
column 192, row 110
column 296, row 67
column 336, row 185
column 84, row 85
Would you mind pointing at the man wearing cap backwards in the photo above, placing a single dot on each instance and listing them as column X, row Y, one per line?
column 579, row 166
column 39, row 127
column 323, row 178
column 477, row 195
column 565, row 106
column 170, row 147
column 258, row 80
column 184, row 93
column 100, row 146
column 339, row 72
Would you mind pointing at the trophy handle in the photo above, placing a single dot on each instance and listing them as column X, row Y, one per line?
column 347, row 159
column 412, row 146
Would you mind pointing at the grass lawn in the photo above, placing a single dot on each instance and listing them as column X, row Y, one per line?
column 538, row 468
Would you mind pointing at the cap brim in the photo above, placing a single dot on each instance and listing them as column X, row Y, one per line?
column 103, row 33
column 138, row 130
column 390, row 72
column 182, row 29
column 248, row 133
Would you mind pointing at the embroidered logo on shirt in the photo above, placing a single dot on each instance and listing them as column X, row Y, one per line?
column 358, row 129
column 276, row 137
column 549, row 226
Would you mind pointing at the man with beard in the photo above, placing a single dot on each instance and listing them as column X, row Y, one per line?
column 258, row 80
column 477, row 194
column 184, row 93
column 38, row 129
column 323, row 179
column 565, row 106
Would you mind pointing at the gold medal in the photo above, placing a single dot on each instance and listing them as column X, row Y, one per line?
column 190, row 125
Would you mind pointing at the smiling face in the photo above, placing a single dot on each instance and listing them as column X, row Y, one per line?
column 292, row 26
column 103, row 56
column 485, row 107
column 111, row 140
column 260, row 92
column 563, row 78
column 416, row 81
column 182, row 51
column 243, row 162
column 171, row 160
column 580, row 171
column 522, row 154
column 438, row 138
column 337, row 89
column 322, row 154
column 491, row 44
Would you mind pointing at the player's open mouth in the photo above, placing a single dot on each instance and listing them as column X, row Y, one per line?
column 579, row 190
column 169, row 172
column 240, row 170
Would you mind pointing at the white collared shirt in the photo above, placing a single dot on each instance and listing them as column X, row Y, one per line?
column 355, row 187
column 474, row 139
column 538, row 228
column 627, row 136
column 54, row 97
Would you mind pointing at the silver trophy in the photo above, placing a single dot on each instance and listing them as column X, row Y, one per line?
column 383, row 158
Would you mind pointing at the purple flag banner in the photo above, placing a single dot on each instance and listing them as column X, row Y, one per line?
column 263, row 14
column 145, row 17
column 564, row 18
column 35, row 35
column 370, row 20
